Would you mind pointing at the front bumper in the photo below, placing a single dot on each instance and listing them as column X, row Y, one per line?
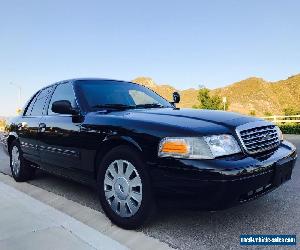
column 223, row 182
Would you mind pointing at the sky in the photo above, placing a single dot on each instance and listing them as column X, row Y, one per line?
column 181, row 43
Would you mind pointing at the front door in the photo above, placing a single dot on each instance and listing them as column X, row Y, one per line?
column 59, row 137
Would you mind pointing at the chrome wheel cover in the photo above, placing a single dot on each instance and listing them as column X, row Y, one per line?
column 15, row 160
column 123, row 188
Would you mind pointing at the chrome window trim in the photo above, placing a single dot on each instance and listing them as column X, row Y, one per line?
column 75, row 99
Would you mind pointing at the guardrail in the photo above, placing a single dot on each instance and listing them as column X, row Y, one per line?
column 283, row 118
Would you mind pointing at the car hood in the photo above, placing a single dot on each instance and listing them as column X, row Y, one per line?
column 190, row 117
column 170, row 121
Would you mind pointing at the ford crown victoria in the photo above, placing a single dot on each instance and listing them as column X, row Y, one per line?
column 140, row 151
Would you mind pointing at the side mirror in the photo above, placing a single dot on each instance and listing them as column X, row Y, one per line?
column 176, row 97
column 63, row 107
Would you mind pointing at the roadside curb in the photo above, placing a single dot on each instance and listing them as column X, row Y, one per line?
column 27, row 223
column 92, row 218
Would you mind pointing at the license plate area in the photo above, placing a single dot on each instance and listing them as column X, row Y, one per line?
column 282, row 173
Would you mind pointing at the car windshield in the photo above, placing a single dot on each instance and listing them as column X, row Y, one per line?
column 100, row 94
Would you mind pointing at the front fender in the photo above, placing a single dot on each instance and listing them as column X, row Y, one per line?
column 121, row 139
column 109, row 143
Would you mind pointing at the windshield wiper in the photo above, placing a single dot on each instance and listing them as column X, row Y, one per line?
column 150, row 105
column 114, row 106
column 120, row 106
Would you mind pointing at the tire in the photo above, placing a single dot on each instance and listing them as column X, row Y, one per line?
column 132, row 191
column 20, row 169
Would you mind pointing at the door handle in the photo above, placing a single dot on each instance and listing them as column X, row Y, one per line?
column 22, row 125
column 42, row 127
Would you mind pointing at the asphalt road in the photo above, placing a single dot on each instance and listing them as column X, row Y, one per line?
column 276, row 213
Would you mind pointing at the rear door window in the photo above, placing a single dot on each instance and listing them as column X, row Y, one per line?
column 29, row 107
column 40, row 102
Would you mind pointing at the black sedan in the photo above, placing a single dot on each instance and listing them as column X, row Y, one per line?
column 140, row 151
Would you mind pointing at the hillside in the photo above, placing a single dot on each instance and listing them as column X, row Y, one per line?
column 246, row 95
column 2, row 118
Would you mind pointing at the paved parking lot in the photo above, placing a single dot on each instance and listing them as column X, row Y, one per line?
column 275, row 213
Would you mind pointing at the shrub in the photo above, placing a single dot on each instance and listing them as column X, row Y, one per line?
column 291, row 111
column 290, row 128
column 252, row 113
column 267, row 113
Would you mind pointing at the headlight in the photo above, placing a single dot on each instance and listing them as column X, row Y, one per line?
column 207, row 147
column 279, row 133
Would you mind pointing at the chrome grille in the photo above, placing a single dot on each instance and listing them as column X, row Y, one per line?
column 257, row 137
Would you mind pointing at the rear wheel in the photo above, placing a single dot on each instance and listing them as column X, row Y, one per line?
column 20, row 169
column 125, row 190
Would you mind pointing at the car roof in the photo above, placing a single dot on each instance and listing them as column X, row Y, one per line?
column 84, row 79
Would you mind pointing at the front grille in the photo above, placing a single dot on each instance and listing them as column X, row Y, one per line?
column 257, row 137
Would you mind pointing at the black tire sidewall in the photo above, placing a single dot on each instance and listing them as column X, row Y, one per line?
column 25, row 172
column 147, row 207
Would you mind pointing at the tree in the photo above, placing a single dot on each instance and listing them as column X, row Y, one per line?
column 208, row 101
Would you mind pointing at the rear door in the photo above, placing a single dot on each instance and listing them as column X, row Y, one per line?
column 28, row 127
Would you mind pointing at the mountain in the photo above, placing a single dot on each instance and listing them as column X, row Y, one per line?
column 251, row 94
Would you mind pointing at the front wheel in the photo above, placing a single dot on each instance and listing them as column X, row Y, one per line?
column 20, row 169
column 125, row 190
